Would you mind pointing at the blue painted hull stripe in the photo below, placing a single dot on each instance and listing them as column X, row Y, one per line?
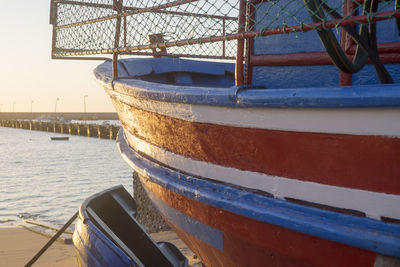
column 204, row 232
column 355, row 231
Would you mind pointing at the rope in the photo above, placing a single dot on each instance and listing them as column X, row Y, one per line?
column 51, row 241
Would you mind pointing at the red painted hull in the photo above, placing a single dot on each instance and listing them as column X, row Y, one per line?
column 353, row 161
column 344, row 162
column 248, row 242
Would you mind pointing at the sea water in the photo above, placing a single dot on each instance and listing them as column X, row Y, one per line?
column 46, row 181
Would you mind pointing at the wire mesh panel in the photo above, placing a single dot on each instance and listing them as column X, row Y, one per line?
column 104, row 26
column 198, row 28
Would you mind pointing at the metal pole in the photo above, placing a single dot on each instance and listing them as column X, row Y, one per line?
column 117, row 5
column 55, row 106
column 115, row 66
column 51, row 241
column 126, row 14
column 223, row 34
column 53, row 21
column 14, row 105
column 125, row 28
column 84, row 103
column 248, row 65
column 240, row 45
column 31, row 105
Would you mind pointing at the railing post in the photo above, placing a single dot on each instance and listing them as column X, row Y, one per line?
column 53, row 21
column 223, row 34
column 248, row 64
column 115, row 66
column 117, row 6
column 240, row 45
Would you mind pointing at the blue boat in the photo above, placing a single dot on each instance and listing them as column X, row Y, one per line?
column 107, row 234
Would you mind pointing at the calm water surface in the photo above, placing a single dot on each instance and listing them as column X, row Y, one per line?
column 47, row 180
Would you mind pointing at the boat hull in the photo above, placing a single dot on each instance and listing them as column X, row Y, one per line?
column 354, row 173
column 227, row 226
column 256, row 241
column 107, row 234
column 93, row 248
column 286, row 177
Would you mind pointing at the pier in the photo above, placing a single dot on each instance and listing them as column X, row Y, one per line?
column 66, row 115
column 89, row 130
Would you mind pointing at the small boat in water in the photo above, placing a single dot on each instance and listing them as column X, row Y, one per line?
column 59, row 138
column 287, row 157
column 107, row 234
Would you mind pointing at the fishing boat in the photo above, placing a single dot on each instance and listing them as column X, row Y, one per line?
column 288, row 156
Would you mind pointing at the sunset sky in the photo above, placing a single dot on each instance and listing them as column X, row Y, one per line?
column 27, row 72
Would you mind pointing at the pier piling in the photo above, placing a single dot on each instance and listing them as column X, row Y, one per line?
column 89, row 130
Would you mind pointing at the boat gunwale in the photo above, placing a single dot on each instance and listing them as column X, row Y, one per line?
column 83, row 214
column 356, row 96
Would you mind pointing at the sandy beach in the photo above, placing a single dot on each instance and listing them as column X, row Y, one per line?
column 18, row 246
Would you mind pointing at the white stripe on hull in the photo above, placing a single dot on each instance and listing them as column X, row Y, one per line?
column 373, row 204
column 355, row 121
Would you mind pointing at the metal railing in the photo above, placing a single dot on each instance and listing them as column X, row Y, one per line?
column 108, row 27
column 217, row 29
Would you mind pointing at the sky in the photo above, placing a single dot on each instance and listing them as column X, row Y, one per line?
column 27, row 72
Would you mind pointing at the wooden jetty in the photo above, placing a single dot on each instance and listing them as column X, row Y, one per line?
column 66, row 115
column 89, row 130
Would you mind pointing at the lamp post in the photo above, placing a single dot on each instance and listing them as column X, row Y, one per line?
column 14, row 105
column 31, row 105
column 55, row 106
column 84, row 103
